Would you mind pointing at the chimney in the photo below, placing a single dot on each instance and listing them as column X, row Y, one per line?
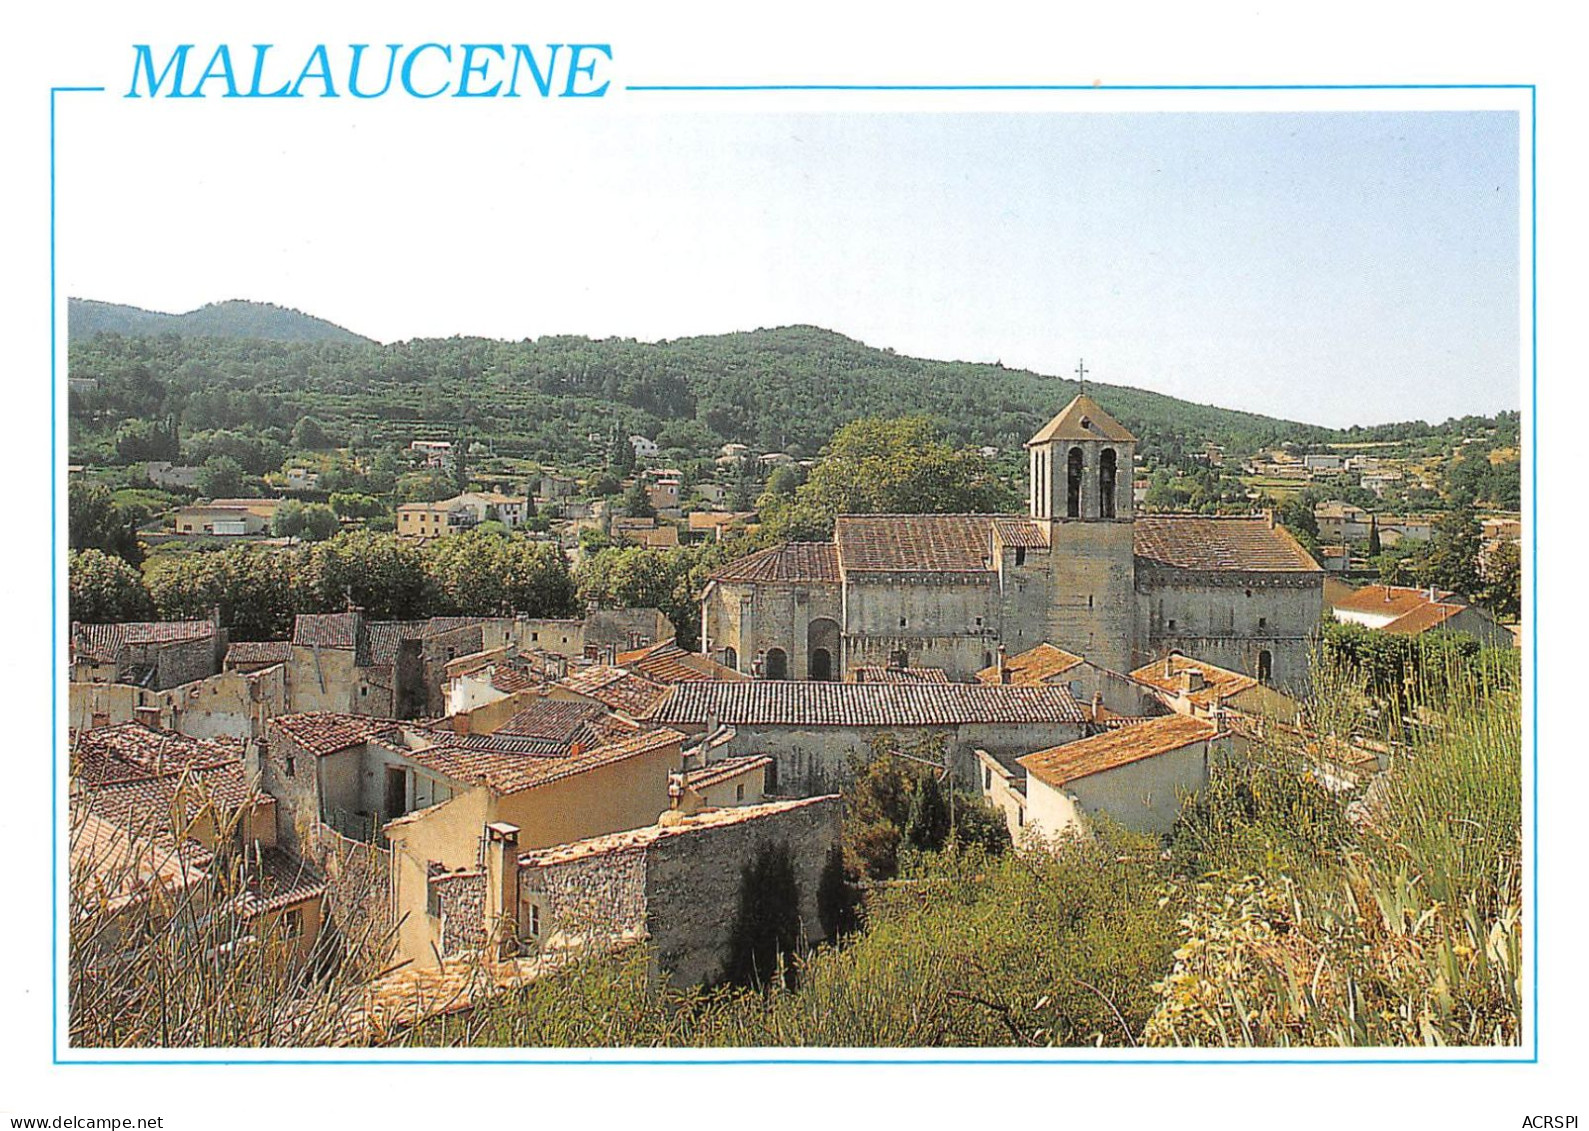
column 575, row 750
column 502, row 881
column 1191, row 680
column 1004, row 672
column 460, row 723
column 1097, row 705
column 675, row 790
column 147, row 716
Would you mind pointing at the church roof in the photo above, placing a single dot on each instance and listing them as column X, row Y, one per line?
column 916, row 543
column 1219, row 542
column 792, row 562
column 1083, row 419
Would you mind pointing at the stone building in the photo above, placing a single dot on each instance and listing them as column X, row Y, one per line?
column 1081, row 570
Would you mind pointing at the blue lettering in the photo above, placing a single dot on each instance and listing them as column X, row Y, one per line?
column 589, row 69
column 408, row 69
column 323, row 74
column 178, row 61
column 522, row 53
column 470, row 68
column 260, row 50
column 223, row 56
column 353, row 71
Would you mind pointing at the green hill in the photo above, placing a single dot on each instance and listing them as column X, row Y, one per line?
column 234, row 319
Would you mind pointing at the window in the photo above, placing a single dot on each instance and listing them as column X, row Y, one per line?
column 987, row 777
column 1266, row 666
column 1020, row 818
column 292, row 923
column 739, row 792
column 1172, row 624
column 1263, row 622
column 1020, row 555
column 1106, row 484
column 432, row 901
column 290, row 765
column 534, row 636
column 535, row 919
column 1073, row 484
column 979, row 622
column 901, row 622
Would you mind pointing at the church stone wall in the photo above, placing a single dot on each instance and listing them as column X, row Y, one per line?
column 1023, row 600
column 947, row 621
column 1229, row 619
column 1092, row 610
column 753, row 618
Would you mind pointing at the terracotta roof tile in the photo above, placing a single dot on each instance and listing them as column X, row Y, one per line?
column 794, row 703
column 1168, row 675
column 1059, row 765
column 1423, row 618
column 101, row 642
column 1032, row 667
column 130, row 751
column 506, row 772
column 557, row 720
column 799, row 563
column 872, row 673
column 1390, row 600
column 274, row 879
column 1020, row 532
column 1199, row 542
column 259, row 652
column 326, row 732
column 339, row 631
column 726, row 770
column 668, row 663
column 916, row 543
column 615, row 688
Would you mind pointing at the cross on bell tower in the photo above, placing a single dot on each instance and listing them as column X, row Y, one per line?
column 1081, row 375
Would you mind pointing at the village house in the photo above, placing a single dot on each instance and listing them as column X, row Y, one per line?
column 1081, row 570
column 432, row 520
column 644, row 447
column 493, row 506
column 434, row 453
column 149, row 654
column 1192, row 687
column 231, row 517
column 1412, row 612
column 1136, row 774
column 675, row 883
column 231, row 704
column 157, row 816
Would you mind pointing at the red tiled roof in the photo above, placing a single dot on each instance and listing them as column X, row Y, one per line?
column 916, row 543
column 565, row 722
column 872, row 673
column 101, row 642
column 1218, row 683
column 1020, row 532
column 506, row 772
column 1390, row 600
column 614, row 688
column 795, row 703
column 148, row 807
column 1423, row 618
column 259, row 652
column 791, row 563
column 668, row 663
column 1060, row 765
column 326, row 732
column 130, row 751
column 1200, row 542
column 274, row 879
column 1032, row 667
column 726, row 770
column 326, row 630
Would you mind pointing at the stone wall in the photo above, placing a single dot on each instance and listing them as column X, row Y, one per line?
column 462, row 899
column 692, row 883
column 358, row 894
column 591, row 901
column 1227, row 619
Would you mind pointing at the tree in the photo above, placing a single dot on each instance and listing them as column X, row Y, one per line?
column 1374, row 546
column 140, row 440
column 254, row 586
column 103, row 588
column 765, row 936
column 319, row 522
column 838, row 896
column 94, row 521
column 883, row 466
column 1452, row 560
column 383, row 574
column 636, row 503
column 620, row 455
column 288, row 521
column 460, row 463
column 309, row 435
column 927, row 827
column 1503, row 581
column 221, row 478
column 352, row 504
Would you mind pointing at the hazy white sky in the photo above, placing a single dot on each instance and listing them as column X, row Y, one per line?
column 1331, row 267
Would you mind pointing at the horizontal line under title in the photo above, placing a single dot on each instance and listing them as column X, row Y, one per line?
column 357, row 70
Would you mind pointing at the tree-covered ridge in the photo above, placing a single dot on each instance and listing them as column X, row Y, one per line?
column 236, row 318
column 788, row 389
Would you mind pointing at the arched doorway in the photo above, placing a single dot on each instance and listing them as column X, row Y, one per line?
column 822, row 648
column 730, row 659
column 1266, row 666
column 777, row 665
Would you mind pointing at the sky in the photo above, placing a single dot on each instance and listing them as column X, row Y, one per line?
column 1331, row 267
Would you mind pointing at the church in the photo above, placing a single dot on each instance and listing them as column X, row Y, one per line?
column 1081, row 570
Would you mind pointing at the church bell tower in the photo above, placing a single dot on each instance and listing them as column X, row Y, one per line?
column 1081, row 470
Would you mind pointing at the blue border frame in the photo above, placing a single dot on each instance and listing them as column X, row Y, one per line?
column 1034, row 1061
